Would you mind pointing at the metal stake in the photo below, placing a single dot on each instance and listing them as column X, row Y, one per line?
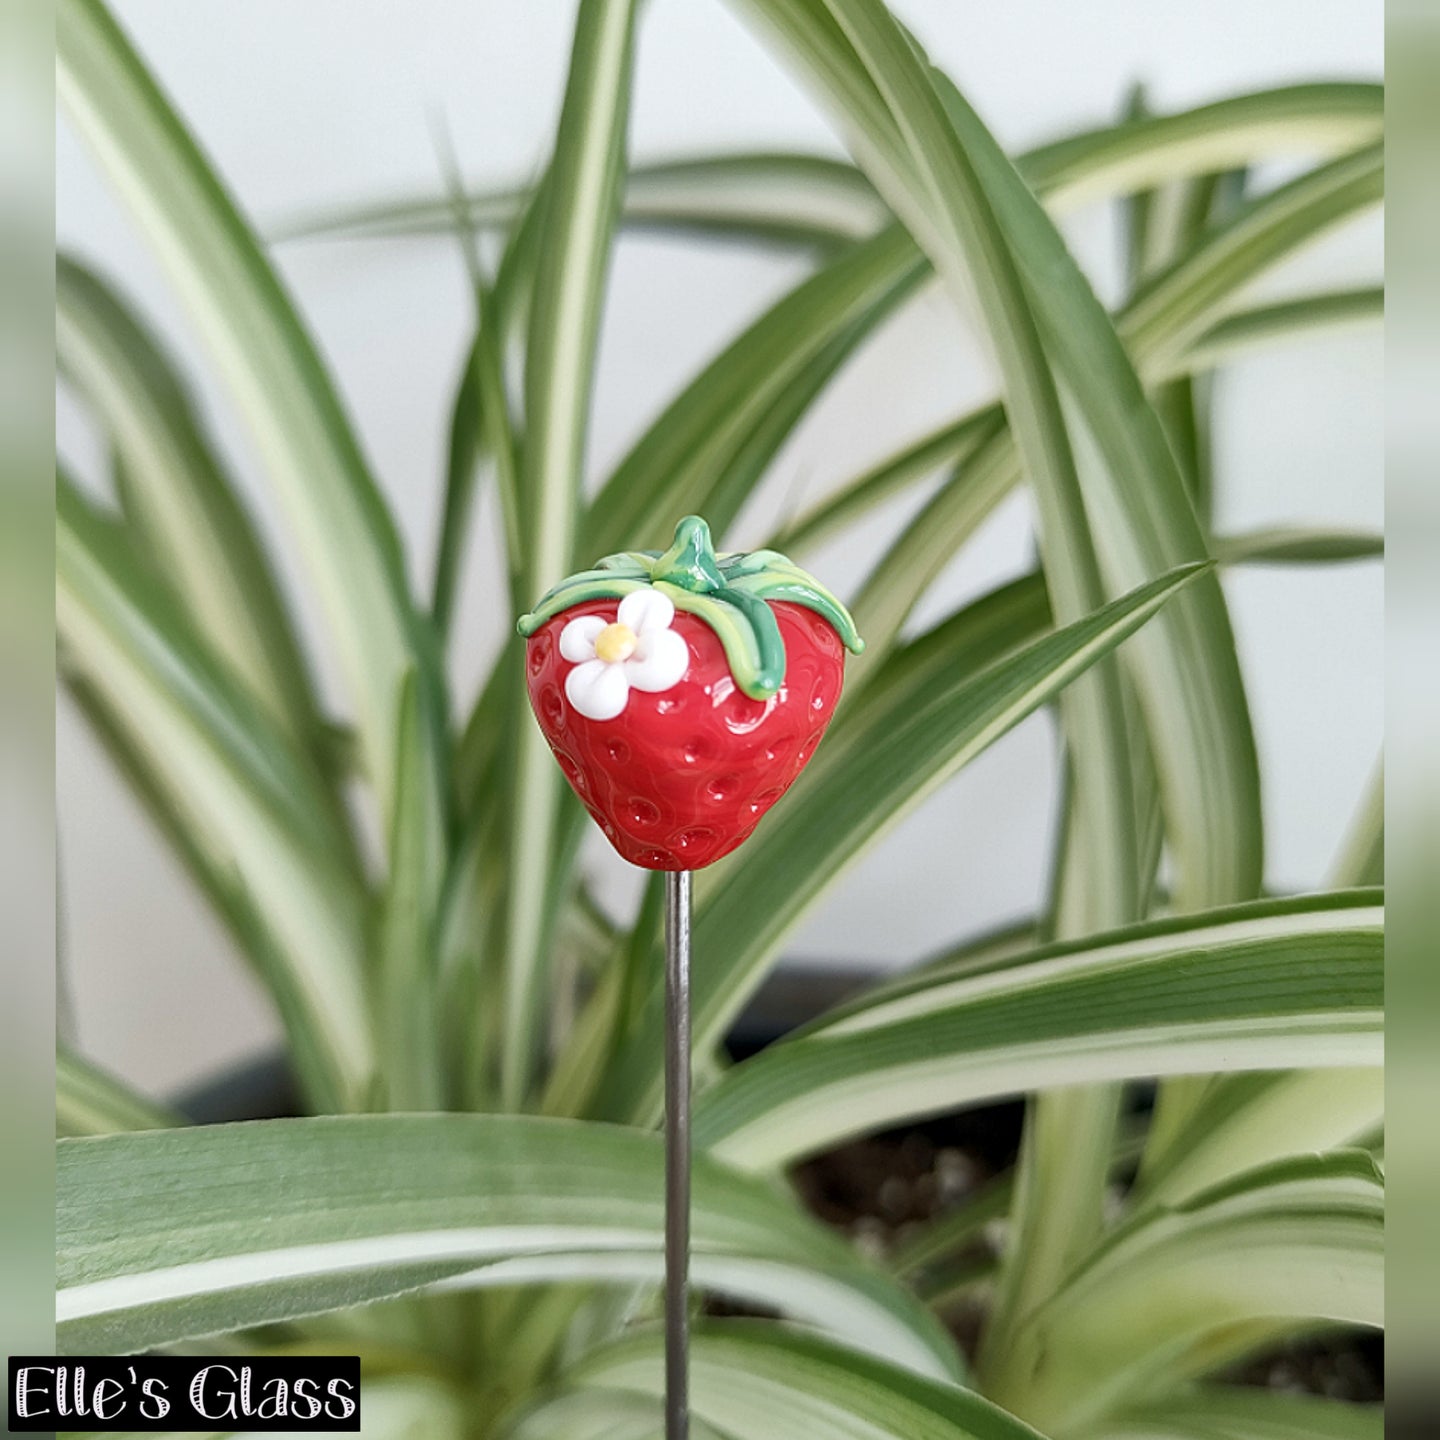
column 677, row 1155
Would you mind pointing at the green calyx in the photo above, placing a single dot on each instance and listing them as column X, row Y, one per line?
column 729, row 592
column 691, row 561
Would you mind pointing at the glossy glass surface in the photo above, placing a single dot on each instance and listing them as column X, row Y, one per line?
column 681, row 777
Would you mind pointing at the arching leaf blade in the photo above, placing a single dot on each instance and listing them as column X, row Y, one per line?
column 174, row 1234
column 345, row 533
column 910, row 743
column 1265, row 986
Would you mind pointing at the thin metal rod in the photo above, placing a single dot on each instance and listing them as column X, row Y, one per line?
column 677, row 1155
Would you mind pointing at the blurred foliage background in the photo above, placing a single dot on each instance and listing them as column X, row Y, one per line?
column 401, row 869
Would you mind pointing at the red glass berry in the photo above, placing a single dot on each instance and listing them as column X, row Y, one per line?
column 681, row 776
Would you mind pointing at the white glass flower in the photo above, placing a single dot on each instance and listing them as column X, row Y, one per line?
column 637, row 649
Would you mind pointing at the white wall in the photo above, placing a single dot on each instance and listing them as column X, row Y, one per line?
column 329, row 101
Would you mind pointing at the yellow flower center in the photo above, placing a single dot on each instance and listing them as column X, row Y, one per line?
column 615, row 643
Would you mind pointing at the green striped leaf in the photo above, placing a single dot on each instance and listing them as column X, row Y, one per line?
column 863, row 780
column 984, row 465
column 1300, row 545
column 343, row 531
column 245, row 805
column 1306, row 119
column 714, row 441
column 403, row 1407
column 1179, row 306
column 178, row 497
column 949, row 445
column 1296, row 1243
column 1361, row 860
column 482, row 427
column 1215, row 1412
column 1247, row 331
column 1299, row 121
column 409, row 1009
column 935, row 188
column 578, row 207
column 805, row 200
column 169, row 1235
column 395, row 1406
column 1244, row 1121
column 601, row 1415
column 90, row 1101
column 751, row 1378
column 1226, row 1124
column 1258, row 987
column 1186, row 670
column 578, row 210
column 777, row 198
column 1069, row 1138
column 463, row 452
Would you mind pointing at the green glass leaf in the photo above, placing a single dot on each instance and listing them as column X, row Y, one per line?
column 729, row 593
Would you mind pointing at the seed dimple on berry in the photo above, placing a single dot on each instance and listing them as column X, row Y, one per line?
column 676, row 787
column 722, row 787
column 742, row 714
column 640, row 811
column 696, row 750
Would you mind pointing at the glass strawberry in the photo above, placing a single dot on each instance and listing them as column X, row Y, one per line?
column 683, row 692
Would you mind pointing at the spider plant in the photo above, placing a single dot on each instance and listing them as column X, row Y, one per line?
column 472, row 1200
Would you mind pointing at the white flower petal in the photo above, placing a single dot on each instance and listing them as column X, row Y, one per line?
column 660, row 660
column 597, row 690
column 646, row 611
column 577, row 639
